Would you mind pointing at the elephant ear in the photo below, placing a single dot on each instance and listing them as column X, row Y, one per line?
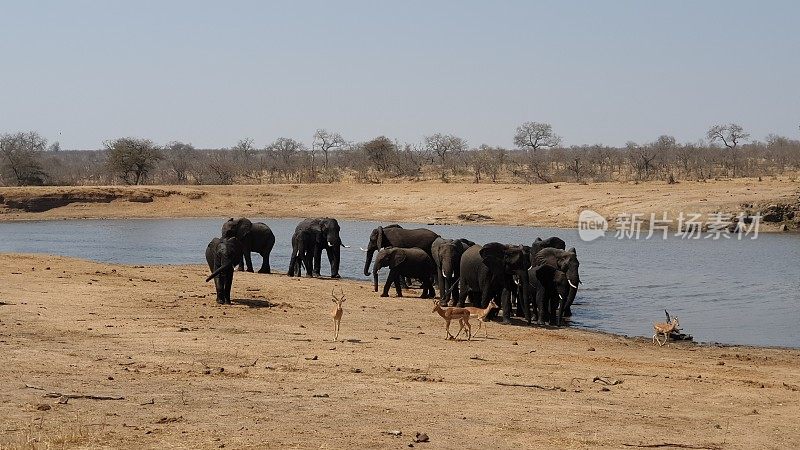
column 244, row 227
column 545, row 274
column 492, row 255
column 538, row 239
column 379, row 241
column 397, row 258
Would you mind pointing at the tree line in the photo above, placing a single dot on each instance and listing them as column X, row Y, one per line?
column 538, row 157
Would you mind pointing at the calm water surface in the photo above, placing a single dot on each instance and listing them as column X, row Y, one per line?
column 730, row 291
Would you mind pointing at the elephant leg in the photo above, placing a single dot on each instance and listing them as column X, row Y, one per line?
column 219, row 288
column 387, row 285
column 540, row 306
column 248, row 260
column 440, row 280
column 334, row 255
column 308, row 261
column 317, row 260
column 397, row 283
column 265, row 263
column 462, row 297
column 505, row 305
column 228, row 285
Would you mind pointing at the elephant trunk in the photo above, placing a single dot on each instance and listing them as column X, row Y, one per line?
column 217, row 272
column 370, row 252
column 375, row 275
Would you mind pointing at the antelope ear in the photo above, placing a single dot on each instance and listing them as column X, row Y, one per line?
column 333, row 300
column 344, row 300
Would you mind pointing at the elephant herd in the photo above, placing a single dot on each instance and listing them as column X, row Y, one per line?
column 538, row 281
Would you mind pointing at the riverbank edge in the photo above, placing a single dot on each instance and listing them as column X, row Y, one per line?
column 541, row 206
column 517, row 322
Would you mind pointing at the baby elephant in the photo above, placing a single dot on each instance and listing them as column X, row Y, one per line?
column 405, row 262
column 222, row 255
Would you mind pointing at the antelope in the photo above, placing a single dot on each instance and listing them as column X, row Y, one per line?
column 480, row 314
column 337, row 312
column 665, row 328
column 448, row 314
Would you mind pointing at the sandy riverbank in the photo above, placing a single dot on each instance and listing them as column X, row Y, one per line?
column 266, row 373
column 546, row 205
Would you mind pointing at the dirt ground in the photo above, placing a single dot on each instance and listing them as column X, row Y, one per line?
column 265, row 372
column 546, row 205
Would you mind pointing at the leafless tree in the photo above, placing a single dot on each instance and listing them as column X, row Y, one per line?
column 286, row 151
column 20, row 158
column 535, row 135
column 327, row 141
column 178, row 158
column 730, row 135
column 444, row 146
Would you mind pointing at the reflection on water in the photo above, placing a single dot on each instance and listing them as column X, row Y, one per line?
column 731, row 291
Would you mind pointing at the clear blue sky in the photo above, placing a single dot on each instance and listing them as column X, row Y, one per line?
column 211, row 73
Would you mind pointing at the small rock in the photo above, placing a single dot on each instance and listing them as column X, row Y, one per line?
column 515, row 343
column 355, row 370
column 720, row 363
column 320, row 396
column 311, row 358
column 43, row 407
column 590, row 349
column 604, row 389
column 421, row 437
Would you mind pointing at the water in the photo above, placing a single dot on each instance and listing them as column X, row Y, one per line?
column 730, row 291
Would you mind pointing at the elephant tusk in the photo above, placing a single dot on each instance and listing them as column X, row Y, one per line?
column 345, row 246
column 363, row 249
column 561, row 296
column 531, row 267
column 516, row 281
column 330, row 245
column 572, row 285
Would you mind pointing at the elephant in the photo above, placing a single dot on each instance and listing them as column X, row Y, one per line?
column 311, row 236
column 551, row 242
column 447, row 256
column 567, row 262
column 492, row 271
column 255, row 237
column 222, row 254
column 405, row 262
column 397, row 236
column 550, row 288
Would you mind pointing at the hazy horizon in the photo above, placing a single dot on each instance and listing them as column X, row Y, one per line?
column 210, row 74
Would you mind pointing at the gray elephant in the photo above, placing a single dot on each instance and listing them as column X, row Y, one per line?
column 222, row 255
column 447, row 256
column 550, row 288
column 551, row 242
column 405, row 262
column 565, row 261
column 491, row 272
column 254, row 237
column 396, row 236
column 311, row 237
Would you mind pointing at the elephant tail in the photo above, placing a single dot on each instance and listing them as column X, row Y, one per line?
column 216, row 272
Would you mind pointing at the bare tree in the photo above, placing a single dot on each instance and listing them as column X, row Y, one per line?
column 730, row 135
column 132, row 159
column 536, row 135
column 286, row 151
column 326, row 141
column 20, row 158
column 178, row 158
column 444, row 146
